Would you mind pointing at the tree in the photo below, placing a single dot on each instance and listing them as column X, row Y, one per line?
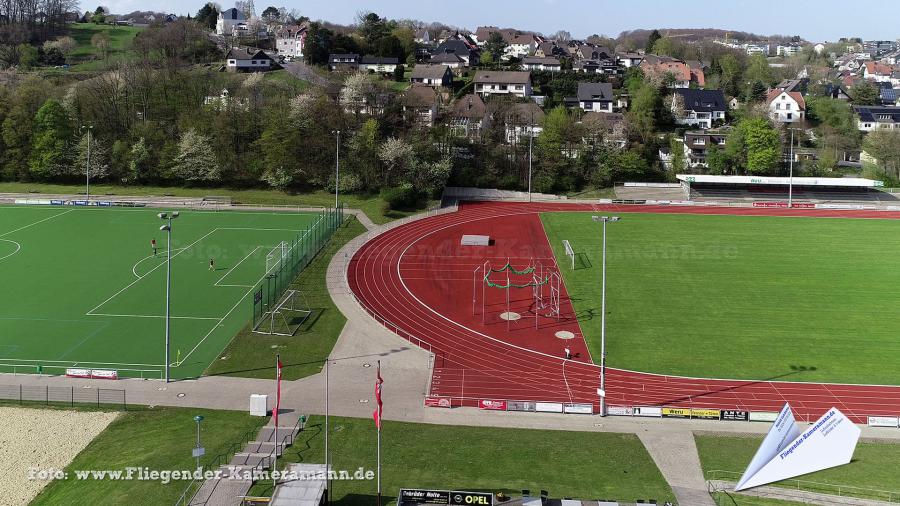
column 758, row 70
column 884, row 146
column 29, row 57
column 98, row 18
column 371, row 27
column 399, row 72
column 270, row 14
column 90, row 148
column 496, row 46
column 207, row 16
column 357, row 91
column 319, row 43
column 676, row 148
column 100, row 40
column 730, row 73
column 140, row 163
column 664, row 46
column 396, row 155
column 52, row 135
column 754, row 145
column 756, row 92
column 654, row 36
column 865, row 93
column 195, row 161
column 716, row 160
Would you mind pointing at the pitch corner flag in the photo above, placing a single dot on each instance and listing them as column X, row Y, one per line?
column 378, row 382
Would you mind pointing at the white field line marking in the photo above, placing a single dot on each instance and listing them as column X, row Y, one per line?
column 219, row 323
column 155, row 316
column 139, row 262
column 129, row 285
column 261, row 229
column 18, row 247
column 235, row 267
column 74, row 362
column 35, row 223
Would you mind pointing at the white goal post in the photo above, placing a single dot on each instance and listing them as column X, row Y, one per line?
column 275, row 257
column 569, row 252
column 286, row 317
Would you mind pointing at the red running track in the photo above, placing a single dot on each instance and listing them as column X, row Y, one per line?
column 417, row 281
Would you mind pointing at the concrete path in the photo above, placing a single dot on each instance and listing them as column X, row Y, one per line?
column 675, row 454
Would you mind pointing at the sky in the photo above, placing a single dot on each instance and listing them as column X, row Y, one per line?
column 814, row 20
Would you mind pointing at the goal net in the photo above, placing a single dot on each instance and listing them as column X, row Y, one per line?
column 569, row 252
column 276, row 257
column 285, row 317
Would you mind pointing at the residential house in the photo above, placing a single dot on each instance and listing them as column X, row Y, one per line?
column 422, row 36
column 452, row 60
column 607, row 66
column 889, row 96
column 700, row 108
column 289, row 40
column 548, row 49
column 789, row 85
column 518, row 45
column 483, row 33
column 628, row 60
column 595, row 97
column 432, row 75
column 247, row 60
column 343, row 62
column 590, row 52
column 877, row 72
column 462, row 47
column 545, row 63
column 788, row 50
column 609, row 128
column 753, row 49
column 698, row 144
column 786, row 106
column 420, row 103
column 468, row 117
column 658, row 67
column 228, row 19
column 734, row 104
column 503, row 83
column 835, row 91
column 521, row 120
column 378, row 64
column 870, row 118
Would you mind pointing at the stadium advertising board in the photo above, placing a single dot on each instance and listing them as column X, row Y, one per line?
column 883, row 421
column 492, row 405
column 619, row 410
column 78, row 373
column 579, row 409
column 548, row 407
column 647, row 411
column 437, row 402
column 734, row 415
column 763, row 416
column 520, row 406
column 706, row 414
column 104, row 374
column 676, row 412
column 444, row 497
column 789, row 451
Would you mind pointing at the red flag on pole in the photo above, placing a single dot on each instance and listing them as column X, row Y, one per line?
column 377, row 413
column 277, row 389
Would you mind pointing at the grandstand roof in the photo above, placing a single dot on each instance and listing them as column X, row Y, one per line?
column 848, row 182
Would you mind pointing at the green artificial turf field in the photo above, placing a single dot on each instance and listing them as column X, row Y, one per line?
column 797, row 299
column 81, row 287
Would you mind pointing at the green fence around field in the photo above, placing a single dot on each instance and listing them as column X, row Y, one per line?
column 300, row 252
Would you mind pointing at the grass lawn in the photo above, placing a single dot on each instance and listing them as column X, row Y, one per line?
column 83, row 285
column 803, row 299
column 587, row 465
column 87, row 57
column 252, row 355
column 285, row 77
column 874, row 465
column 159, row 439
column 723, row 499
column 372, row 205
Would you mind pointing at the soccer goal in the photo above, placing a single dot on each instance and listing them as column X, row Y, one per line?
column 286, row 317
column 569, row 252
column 275, row 257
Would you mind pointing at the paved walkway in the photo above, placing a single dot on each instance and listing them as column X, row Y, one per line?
column 787, row 494
column 675, row 454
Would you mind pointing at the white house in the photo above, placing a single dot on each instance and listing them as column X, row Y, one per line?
column 870, row 118
column 522, row 120
column 432, row 75
column 819, row 48
column 378, row 64
column 786, row 106
column 628, row 60
column 228, row 19
column 595, row 97
column 247, row 60
column 878, row 72
column 541, row 63
column 699, row 108
column 289, row 40
column 488, row 82
column 788, row 50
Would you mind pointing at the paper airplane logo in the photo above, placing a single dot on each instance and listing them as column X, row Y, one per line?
column 788, row 450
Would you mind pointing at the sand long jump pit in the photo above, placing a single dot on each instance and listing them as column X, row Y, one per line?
column 42, row 439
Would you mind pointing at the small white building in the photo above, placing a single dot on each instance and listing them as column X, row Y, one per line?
column 228, row 19
column 546, row 63
column 488, row 82
column 788, row 50
column 289, row 40
column 786, row 107
column 247, row 60
column 378, row 64
column 871, row 118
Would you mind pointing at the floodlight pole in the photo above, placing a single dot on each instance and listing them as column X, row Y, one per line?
column 530, row 143
column 198, row 419
column 337, row 167
column 791, row 175
column 87, row 169
column 602, row 390
column 168, row 229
